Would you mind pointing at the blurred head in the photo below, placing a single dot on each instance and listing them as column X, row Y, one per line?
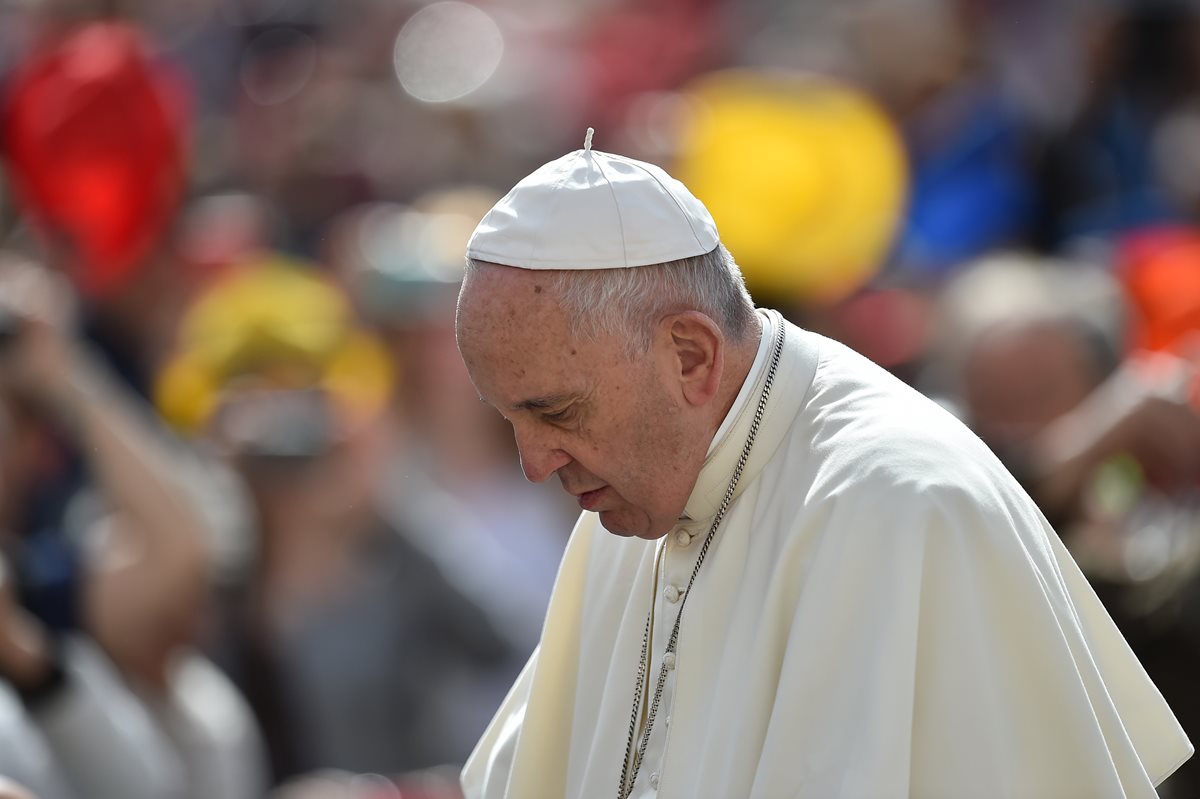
column 1023, row 375
column 274, row 368
column 614, row 380
column 1024, row 340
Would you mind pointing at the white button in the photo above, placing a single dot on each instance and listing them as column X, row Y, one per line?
column 654, row 780
column 671, row 593
column 669, row 660
column 667, row 721
column 683, row 538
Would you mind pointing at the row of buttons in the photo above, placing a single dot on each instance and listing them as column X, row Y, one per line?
column 655, row 778
column 671, row 593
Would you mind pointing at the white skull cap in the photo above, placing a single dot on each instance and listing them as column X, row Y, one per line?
column 593, row 210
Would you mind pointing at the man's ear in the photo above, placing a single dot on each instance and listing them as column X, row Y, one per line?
column 696, row 348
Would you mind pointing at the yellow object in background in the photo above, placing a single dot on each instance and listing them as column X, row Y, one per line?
column 273, row 325
column 805, row 177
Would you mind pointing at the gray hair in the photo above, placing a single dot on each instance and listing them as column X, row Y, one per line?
column 627, row 303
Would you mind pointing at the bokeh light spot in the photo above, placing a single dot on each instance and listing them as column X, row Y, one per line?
column 447, row 51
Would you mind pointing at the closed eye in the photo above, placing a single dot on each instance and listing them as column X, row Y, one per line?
column 560, row 416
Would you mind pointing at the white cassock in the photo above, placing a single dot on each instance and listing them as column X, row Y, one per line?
column 883, row 613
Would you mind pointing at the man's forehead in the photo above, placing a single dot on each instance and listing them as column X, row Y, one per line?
column 497, row 278
column 525, row 365
column 504, row 295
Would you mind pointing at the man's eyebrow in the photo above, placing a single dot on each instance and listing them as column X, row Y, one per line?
column 542, row 403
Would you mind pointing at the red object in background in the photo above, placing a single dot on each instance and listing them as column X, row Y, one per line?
column 636, row 46
column 1159, row 269
column 94, row 136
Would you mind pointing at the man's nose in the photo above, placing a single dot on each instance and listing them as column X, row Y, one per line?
column 540, row 458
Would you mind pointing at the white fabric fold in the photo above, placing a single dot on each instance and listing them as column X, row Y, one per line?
column 883, row 614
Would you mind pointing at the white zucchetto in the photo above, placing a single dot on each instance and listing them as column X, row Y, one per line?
column 594, row 210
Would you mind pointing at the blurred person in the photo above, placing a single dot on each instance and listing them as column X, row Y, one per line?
column 970, row 146
column 354, row 649
column 69, row 725
column 296, row 133
column 1032, row 350
column 1120, row 163
column 111, row 555
column 117, row 528
column 97, row 162
column 1053, row 324
column 1108, row 445
column 867, row 583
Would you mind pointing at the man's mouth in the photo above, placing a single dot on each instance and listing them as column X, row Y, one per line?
column 590, row 500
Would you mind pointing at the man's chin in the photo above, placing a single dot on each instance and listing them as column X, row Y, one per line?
column 626, row 525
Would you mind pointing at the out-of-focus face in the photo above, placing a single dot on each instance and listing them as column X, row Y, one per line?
column 1021, row 378
column 615, row 429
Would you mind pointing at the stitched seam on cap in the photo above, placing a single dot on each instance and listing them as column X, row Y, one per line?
column 557, row 210
column 686, row 216
column 617, row 205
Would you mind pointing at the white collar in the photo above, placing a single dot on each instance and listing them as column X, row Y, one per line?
column 756, row 370
column 794, row 377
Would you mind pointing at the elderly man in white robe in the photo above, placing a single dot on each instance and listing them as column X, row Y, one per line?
column 793, row 576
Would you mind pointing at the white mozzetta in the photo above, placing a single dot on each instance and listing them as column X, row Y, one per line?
column 883, row 614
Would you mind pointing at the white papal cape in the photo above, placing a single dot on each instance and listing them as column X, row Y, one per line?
column 884, row 613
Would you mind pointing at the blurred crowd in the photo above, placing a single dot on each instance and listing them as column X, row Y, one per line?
column 259, row 536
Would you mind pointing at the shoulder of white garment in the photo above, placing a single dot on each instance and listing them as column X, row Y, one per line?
column 25, row 756
column 916, row 606
column 99, row 721
column 486, row 772
column 213, row 724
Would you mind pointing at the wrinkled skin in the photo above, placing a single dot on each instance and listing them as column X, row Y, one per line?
column 626, row 435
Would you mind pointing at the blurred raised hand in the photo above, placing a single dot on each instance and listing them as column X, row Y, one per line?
column 1146, row 410
column 147, row 562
